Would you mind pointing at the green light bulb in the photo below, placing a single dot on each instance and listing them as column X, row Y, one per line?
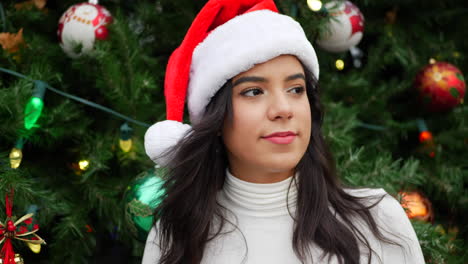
column 33, row 108
column 32, row 112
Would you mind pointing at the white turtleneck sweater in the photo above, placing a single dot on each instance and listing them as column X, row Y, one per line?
column 265, row 228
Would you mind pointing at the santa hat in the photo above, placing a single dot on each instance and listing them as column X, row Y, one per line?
column 226, row 38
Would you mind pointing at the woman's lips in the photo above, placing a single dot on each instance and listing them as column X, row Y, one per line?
column 281, row 140
column 285, row 137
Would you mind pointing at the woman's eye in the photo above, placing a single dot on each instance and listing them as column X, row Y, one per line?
column 252, row 92
column 298, row 89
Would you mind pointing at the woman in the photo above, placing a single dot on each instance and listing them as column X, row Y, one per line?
column 252, row 181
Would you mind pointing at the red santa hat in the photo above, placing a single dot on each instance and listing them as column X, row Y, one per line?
column 226, row 38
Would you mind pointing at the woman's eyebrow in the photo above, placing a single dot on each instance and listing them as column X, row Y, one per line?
column 249, row 79
column 261, row 79
column 294, row 77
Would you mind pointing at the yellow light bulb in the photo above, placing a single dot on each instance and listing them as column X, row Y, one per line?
column 314, row 5
column 432, row 61
column 83, row 164
column 16, row 155
column 339, row 64
column 125, row 145
column 36, row 248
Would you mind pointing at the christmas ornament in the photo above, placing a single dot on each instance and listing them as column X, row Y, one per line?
column 416, row 206
column 36, row 248
column 345, row 28
column 18, row 259
column 441, row 86
column 141, row 198
column 23, row 229
column 80, row 26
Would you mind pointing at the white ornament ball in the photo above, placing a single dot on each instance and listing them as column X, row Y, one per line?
column 345, row 28
column 80, row 26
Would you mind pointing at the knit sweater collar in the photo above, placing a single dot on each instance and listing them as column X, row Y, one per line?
column 259, row 199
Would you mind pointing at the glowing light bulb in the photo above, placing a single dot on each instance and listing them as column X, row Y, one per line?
column 36, row 248
column 425, row 136
column 125, row 145
column 339, row 64
column 432, row 61
column 34, row 107
column 417, row 205
column 314, row 5
column 16, row 155
column 83, row 164
column 125, row 141
column 32, row 112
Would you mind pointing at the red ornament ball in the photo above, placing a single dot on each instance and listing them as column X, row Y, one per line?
column 80, row 26
column 441, row 86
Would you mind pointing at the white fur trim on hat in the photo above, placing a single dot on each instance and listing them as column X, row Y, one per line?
column 238, row 45
column 161, row 137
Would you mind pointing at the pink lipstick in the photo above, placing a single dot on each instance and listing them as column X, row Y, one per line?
column 281, row 137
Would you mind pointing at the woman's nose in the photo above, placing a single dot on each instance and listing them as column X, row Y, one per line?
column 280, row 107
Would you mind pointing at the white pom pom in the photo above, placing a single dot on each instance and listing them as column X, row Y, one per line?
column 161, row 137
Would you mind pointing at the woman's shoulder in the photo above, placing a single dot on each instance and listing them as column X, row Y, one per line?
column 392, row 221
column 365, row 192
column 387, row 208
column 152, row 250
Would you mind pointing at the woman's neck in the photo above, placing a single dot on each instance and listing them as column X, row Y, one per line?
column 262, row 200
column 255, row 175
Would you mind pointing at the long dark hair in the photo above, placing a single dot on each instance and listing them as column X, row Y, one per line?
column 197, row 171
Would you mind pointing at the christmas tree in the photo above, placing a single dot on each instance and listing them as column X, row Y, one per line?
column 78, row 91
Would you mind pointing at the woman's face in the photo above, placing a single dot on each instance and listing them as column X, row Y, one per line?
column 267, row 99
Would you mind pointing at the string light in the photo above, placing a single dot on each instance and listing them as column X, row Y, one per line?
column 83, row 164
column 125, row 141
column 425, row 137
column 33, row 108
column 339, row 64
column 417, row 206
column 76, row 98
column 432, row 61
column 314, row 5
column 16, row 154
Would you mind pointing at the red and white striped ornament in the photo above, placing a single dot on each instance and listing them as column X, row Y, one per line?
column 81, row 25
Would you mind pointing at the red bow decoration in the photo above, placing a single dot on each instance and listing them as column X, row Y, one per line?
column 23, row 229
